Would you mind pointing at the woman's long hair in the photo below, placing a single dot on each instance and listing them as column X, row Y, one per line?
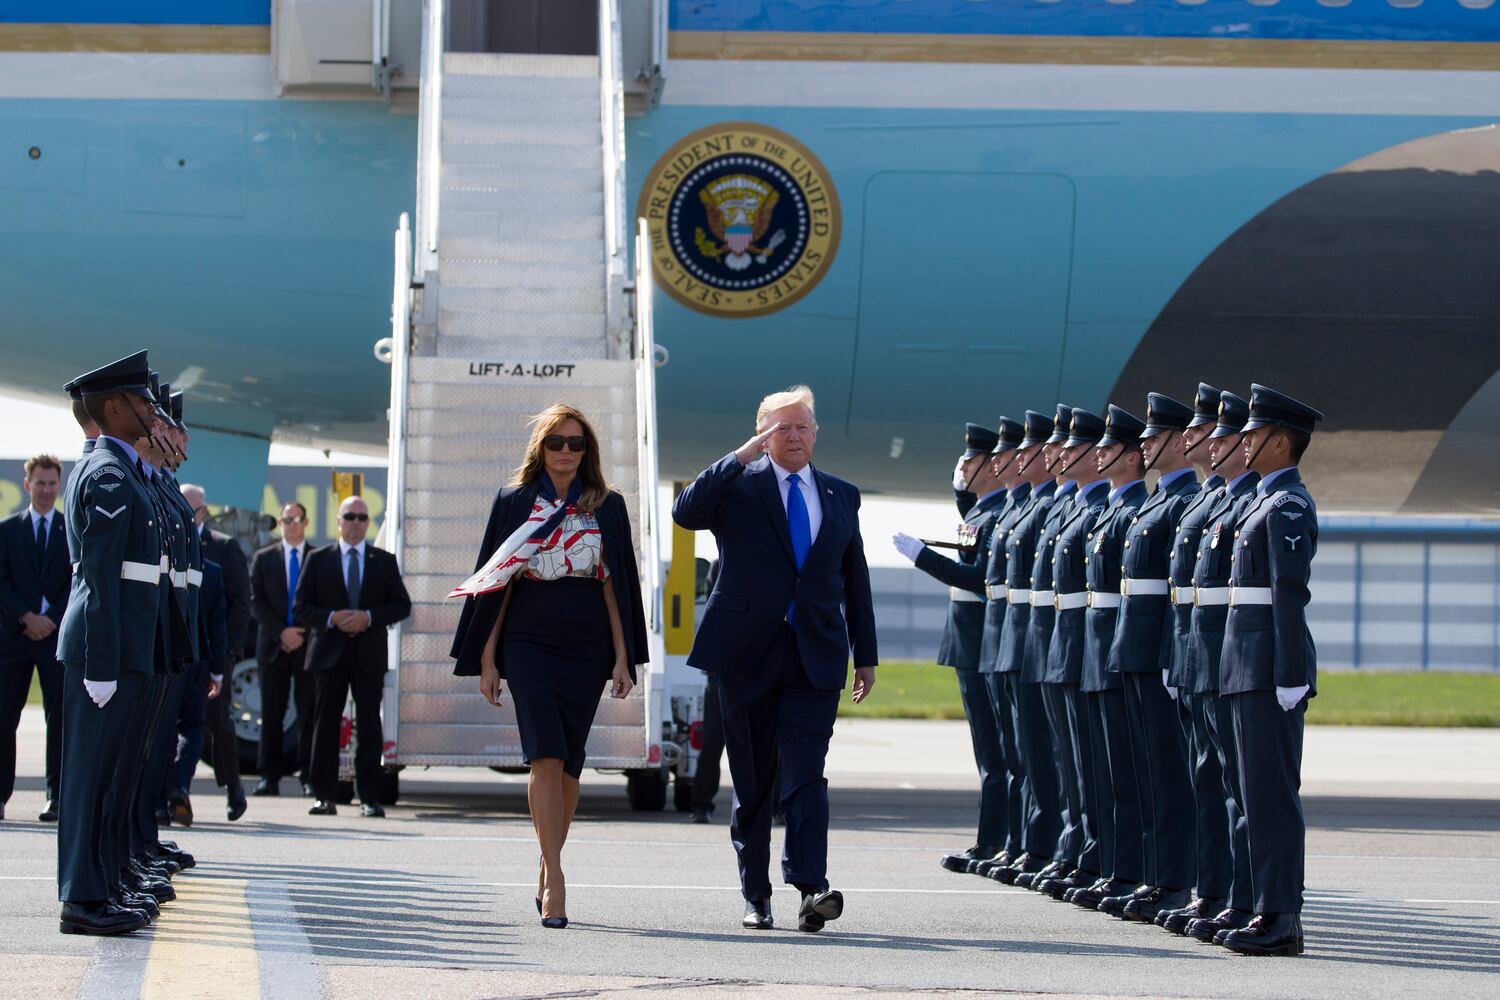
column 590, row 470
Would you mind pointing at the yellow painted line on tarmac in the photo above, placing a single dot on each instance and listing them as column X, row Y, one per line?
column 203, row 944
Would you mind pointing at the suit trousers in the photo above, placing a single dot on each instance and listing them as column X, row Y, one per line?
column 706, row 775
column 160, row 755
column 1115, row 787
column 190, row 724
column 1070, row 834
column 92, row 740
column 15, row 688
column 989, row 756
column 772, row 713
column 1270, row 744
column 1002, row 689
column 1164, row 783
column 1215, row 864
column 1044, row 805
column 1081, row 735
column 285, row 678
column 1221, row 732
column 333, row 687
column 219, row 735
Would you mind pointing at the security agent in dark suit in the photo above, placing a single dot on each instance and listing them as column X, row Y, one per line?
column 963, row 634
column 1005, row 465
column 223, row 745
column 35, row 577
column 108, row 639
column 205, row 678
column 1058, row 586
column 1041, row 795
column 1200, row 680
column 790, row 555
column 1269, row 666
column 281, row 650
column 1116, row 780
column 348, row 595
column 1141, row 652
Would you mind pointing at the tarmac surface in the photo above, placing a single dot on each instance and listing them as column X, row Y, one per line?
column 435, row 900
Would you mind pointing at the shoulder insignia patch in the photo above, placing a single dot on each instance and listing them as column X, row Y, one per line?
column 1291, row 542
column 109, row 487
column 108, row 470
column 111, row 514
column 1287, row 498
column 1097, row 510
column 1291, row 515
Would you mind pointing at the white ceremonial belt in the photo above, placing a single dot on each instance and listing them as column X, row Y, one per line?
column 1100, row 599
column 179, row 579
column 195, row 577
column 1249, row 595
column 140, row 572
column 1210, row 597
column 1143, row 588
column 165, row 566
column 996, row 591
column 1071, row 602
column 1184, row 594
column 960, row 594
column 1038, row 598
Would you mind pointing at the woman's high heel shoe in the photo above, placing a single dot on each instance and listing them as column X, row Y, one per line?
column 555, row 923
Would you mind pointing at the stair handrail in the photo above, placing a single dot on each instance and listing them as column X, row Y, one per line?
column 645, row 413
column 394, row 527
column 430, row 135
column 612, row 124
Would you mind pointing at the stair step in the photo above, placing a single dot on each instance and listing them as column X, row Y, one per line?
column 486, row 330
column 538, row 133
column 473, row 273
column 563, row 349
column 524, row 300
column 519, row 64
column 428, row 619
column 508, row 89
column 523, row 158
column 455, row 208
column 543, row 182
column 487, row 246
column 540, row 105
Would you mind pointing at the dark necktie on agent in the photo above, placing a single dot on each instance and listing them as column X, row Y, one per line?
column 41, row 537
column 294, row 570
column 800, row 526
column 352, row 578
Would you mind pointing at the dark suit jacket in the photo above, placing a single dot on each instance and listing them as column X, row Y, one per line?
column 758, row 576
column 213, row 616
column 321, row 592
column 25, row 579
column 231, row 559
column 269, row 600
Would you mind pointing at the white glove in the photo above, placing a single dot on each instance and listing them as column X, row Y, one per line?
column 960, row 481
column 216, row 678
column 1289, row 698
column 907, row 545
column 101, row 691
column 1168, row 685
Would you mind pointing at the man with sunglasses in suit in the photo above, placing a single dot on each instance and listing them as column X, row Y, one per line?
column 281, row 651
column 347, row 595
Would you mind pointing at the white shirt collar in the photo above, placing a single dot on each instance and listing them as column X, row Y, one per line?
column 45, row 517
column 344, row 548
column 804, row 475
column 287, row 547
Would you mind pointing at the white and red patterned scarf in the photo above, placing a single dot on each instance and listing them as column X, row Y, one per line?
column 542, row 530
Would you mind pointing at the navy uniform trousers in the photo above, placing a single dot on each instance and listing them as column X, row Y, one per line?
column 1121, row 837
column 1078, row 841
column 1221, row 736
column 1270, row 766
column 778, row 698
column 989, row 757
column 1044, row 805
column 1163, row 781
column 1215, row 809
column 1002, row 697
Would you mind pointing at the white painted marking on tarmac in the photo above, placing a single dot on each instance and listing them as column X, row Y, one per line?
column 117, row 969
column 286, row 956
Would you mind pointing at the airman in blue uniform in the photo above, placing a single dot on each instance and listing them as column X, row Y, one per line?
column 963, row 634
column 1269, row 666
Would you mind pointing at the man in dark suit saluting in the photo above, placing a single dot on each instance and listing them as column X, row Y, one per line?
column 281, row 649
column 35, row 577
column 346, row 597
column 774, row 634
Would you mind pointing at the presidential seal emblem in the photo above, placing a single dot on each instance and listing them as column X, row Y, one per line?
column 744, row 220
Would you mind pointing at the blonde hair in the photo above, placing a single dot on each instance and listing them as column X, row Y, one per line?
column 790, row 397
column 590, row 470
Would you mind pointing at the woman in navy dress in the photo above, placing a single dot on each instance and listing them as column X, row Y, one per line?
column 554, row 611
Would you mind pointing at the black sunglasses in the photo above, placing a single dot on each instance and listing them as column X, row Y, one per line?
column 356, row 517
column 293, row 520
column 556, row 442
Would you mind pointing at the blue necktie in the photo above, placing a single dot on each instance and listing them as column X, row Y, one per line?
column 291, row 586
column 800, row 526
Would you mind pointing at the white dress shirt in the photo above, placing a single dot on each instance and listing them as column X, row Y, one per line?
column 51, row 518
column 809, row 487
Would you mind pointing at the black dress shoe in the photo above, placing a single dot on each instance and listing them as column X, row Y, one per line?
column 1268, row 934
column 757, row 915
column 1029, row 880
column 959, row 861
column 268, row 786
column 49, row 812
column 983, row 867
column 235, row 804
column 1176, row 921
column 124, row 898
column 1143, row 909
column 1223, row 922
column 1056, row 885
column 700, row 815
column 99, row 918
column 1025, row 863
column 818, row 908
column 371, row 809
column 1097, row 893
column 163, row 866
column 323, row 807
column 182, row 859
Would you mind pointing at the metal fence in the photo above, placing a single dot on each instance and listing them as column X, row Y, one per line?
column 1387, row 594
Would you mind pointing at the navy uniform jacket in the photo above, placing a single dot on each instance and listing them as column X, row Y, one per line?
column 963, row 633
column 1020, row 561
column 1180, row 574
column 1069, row 576
column 995, row 575
column 194, row 560
column 1103, row 546
column 1042, row 619
column 1267, row 646
column 111, row 622
column 758, row 575
column 26, row 577
column 1205, row 639
column 1143, row 628
column 182, row 639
